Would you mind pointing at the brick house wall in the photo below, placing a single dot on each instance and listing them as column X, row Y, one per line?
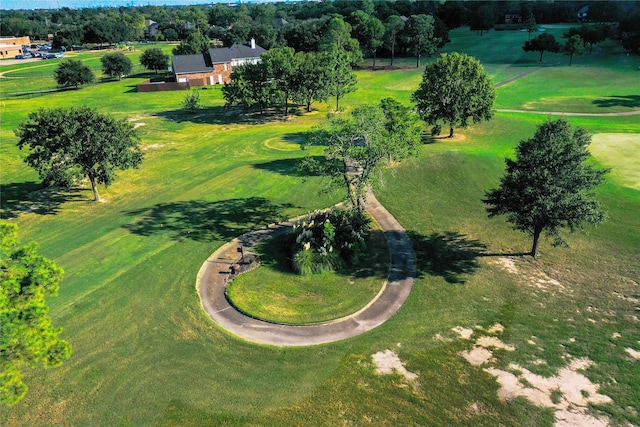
column 219, row 74
column 223, row 70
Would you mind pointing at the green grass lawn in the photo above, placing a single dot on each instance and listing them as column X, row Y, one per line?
column 145, row 353
column 28, row 78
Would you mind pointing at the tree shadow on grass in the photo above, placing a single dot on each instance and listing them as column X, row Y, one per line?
column 450, row 255
column 30, row 197
column 628, row 101
column 288, row 167
column 301, row 138
column 220, row 115
column 204, row 221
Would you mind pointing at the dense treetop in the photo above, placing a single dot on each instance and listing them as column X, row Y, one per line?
column 302, row 25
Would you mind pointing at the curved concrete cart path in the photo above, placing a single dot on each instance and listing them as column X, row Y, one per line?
column 213, row 277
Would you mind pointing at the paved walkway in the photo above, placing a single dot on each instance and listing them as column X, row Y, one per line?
column 214, row 274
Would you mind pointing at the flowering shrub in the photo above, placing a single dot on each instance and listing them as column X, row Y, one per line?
column 328, row 240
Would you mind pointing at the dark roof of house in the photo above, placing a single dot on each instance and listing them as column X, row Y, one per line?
column 235, row 51
column 191, row 63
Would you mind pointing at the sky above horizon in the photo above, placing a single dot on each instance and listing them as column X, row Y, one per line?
column 79, row 4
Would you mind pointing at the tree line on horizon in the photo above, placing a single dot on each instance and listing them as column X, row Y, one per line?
column 381, row 27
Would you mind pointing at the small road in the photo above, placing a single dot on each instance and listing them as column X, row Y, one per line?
column 213, row 278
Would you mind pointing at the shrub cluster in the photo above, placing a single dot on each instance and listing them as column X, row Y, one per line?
column 328, row 240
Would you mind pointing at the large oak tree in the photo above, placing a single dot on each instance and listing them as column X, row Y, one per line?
column 116, row 64
column 455, row 89
column 72, row 72
column 543, row 43
column 155, row 59
column 69, row 144
column 549, row 186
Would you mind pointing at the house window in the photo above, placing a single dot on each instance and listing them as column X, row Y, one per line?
column 182, row 80
column 226, row 67
column 220, row 79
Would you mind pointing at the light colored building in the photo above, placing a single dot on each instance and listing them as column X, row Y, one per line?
column 12, row 46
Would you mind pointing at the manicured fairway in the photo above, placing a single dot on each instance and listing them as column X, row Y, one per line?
column 619, row 151
column 145, row 353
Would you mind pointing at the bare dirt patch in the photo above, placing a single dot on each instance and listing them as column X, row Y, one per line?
column 496, row 328
column 574, row 391
column 387, row 362
column 624, row 297
column 569, row 393
column 542, row 281
column 633, row 353
column 508, row 264
column 477, row 356
column 464, row 333
column 534, row 277
column 480, row 353
column 494, row 342
column 152, row 147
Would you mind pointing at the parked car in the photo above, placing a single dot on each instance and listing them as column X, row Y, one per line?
column 49, row 56
column 19, row 56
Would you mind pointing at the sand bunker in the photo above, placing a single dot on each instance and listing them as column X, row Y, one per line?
column 387, row 362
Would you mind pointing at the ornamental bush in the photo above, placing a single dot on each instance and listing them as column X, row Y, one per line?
column 328, row 240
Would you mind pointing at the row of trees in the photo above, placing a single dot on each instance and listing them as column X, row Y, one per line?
column 303, row 25
column 283, row 75
column 72, row 72
column 577, row 40
column 178, row 22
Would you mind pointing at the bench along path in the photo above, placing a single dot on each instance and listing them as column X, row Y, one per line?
column 214, row 273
